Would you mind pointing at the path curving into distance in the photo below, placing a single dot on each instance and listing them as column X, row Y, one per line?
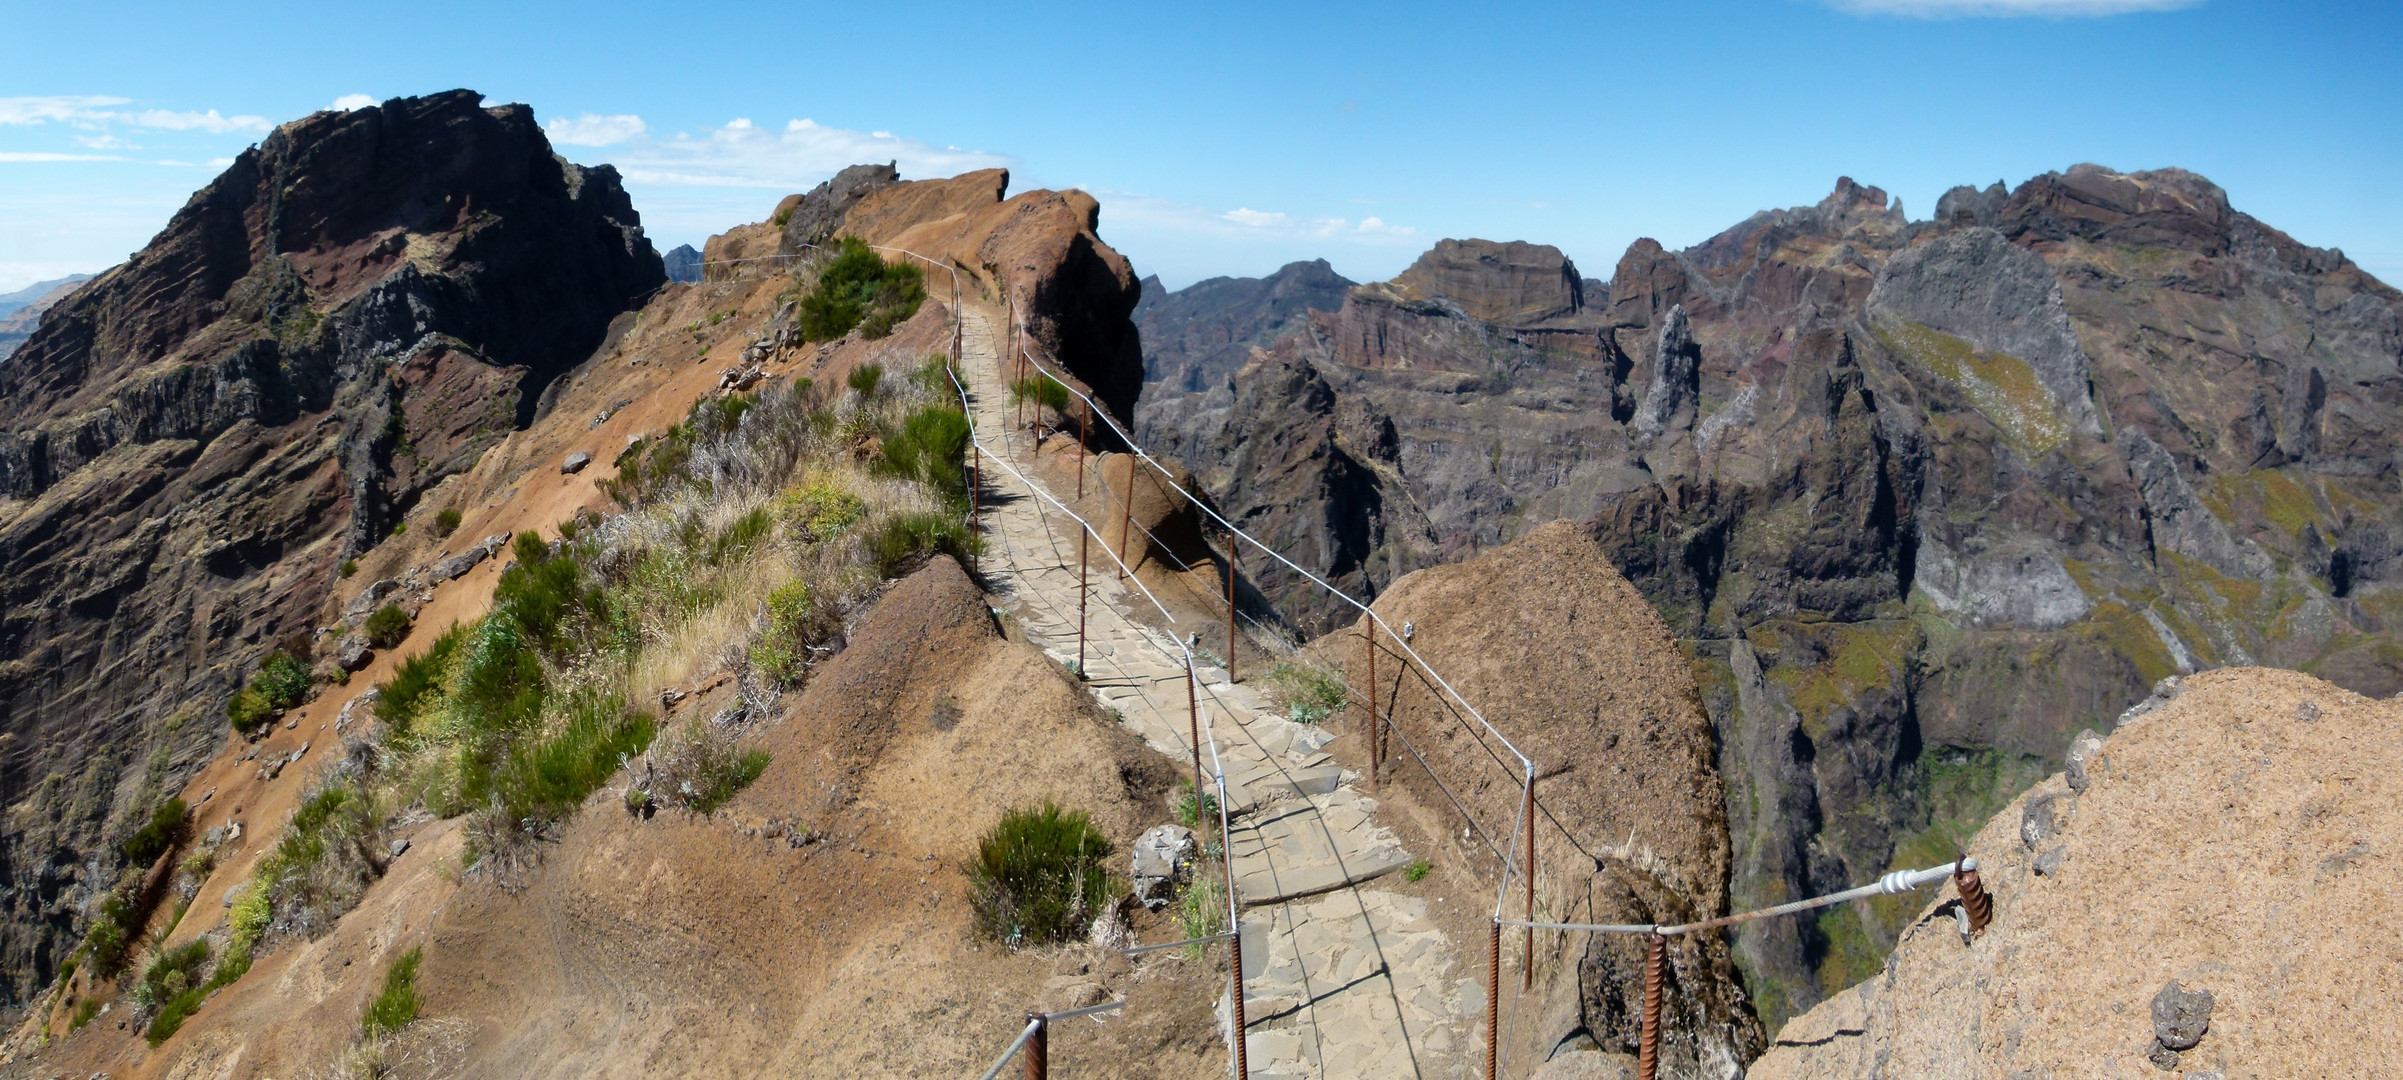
column 1343, row 979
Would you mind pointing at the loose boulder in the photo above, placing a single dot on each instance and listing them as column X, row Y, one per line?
column 1163, row 860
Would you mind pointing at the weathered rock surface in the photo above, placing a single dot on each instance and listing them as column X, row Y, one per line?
column 1197, row 336
column 2216, row 911
column 193, row 441
column 1562, row 655
column 682, row 263
column 1920, row 498
column 1163, row 859
column 1039, row 250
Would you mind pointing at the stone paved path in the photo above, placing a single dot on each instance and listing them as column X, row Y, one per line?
column 1344, row 979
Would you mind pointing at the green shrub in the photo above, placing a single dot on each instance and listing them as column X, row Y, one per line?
column 399, row 527
column 349, row 567
column 549, row 777
column 165, row 827
column 1196, row 813
column 112, row 935
column 84, row 1012
column 931, row 447
column 1202, row 910
column 173, row 1013
column 863, row 379
column 389, row 626
column 171, row 987
column 699, row 767
column 1041, row 876
column 1042, row 391
column 326, row 856
column 1310, row 695
column 283, row 680
column 904, row 539
column 859, row 289
column 792, row 621
column 1417, row 870
column 821, row 508
column 446, row 522
column 397, row 1005
column 416, row 686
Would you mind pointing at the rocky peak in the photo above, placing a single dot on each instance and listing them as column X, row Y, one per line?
column 812, row 218
column 354, row 310
column 1196, row 337
column 1510, row 284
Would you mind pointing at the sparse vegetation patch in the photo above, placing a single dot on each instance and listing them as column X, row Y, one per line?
column 1041, row 876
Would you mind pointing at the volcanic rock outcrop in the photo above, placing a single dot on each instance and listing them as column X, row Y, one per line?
column 1562, row 656
column 353, row 310
column 2206, row 896
column 1920, row 498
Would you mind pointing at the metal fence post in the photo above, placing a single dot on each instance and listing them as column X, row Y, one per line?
column 1126, row 515
column 1083, row 540
column 1647, row 1051
column 1493, row 998
column 1527, row 966
column 1376, row 752
column 1193, row 717
column 1084, row 423
column 1038, row 1055
column 1230, row 605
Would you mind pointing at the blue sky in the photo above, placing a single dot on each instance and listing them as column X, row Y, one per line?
column 1234, row 139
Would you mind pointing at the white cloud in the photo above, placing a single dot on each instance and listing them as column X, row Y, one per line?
column 743, row 154
column 92, row 112
column 2052, row 9
column 591, row 130
column 1152, row 214
column 23, row 156
column 103, row 142
column 351, row 102
column 39, row 110
column 1378, row 225
column 1254, row 219
column 208, row 121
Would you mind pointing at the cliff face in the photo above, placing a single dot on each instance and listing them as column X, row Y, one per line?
column 2204, row 893
column 189, row 446
column 1197, row 336
column 1919, row 498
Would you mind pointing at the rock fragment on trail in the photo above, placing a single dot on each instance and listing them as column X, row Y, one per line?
column 575, row 462
column 1163, row 858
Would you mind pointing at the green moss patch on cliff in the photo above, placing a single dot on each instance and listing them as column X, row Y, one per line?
column 2001, row 387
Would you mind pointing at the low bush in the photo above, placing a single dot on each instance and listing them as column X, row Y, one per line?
column 281, row 683
column 1310, row 695
column 349, row 567
column 1196, row 813
column 904, row 541
column 859, row 289
column 931, row 447
column 863, row 379
column 446, row 522
column 171, row 987
column 165, row 827
column 821, row 509
column 1042, row 391
column 389, row 626
column 699, row 767
column 113, row 933
column 791, row 621
column 397, row 1004
column 326, row 856
column 1041, row 876
column 1202, row 911
column 85, row 1010
column 549, row 777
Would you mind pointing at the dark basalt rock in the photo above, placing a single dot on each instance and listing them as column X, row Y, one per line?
column 353, row 310
column 1922, row 499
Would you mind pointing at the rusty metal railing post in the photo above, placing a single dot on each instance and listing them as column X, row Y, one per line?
column 1193, row 718
column 1493, row 998
column 1084, row 424
column 1226, row 861
column 1376, row 751
column 1647, row 1060
column 1038, row 1054
column 1230, row 605
column 1527, row 966
column 1084, row 538
column 1126, row 516
column 1973, row 895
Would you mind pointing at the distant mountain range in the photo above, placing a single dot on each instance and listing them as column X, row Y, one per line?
column 21, row 311
column 1920, row 498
